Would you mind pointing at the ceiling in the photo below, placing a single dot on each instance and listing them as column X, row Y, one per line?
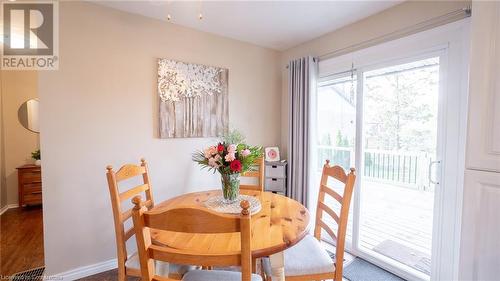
column 274, row 24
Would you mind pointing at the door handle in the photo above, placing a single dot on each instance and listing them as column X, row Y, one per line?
column 431, row 164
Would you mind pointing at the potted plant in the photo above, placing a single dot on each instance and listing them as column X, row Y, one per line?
column 36, row 156
column 230, row 157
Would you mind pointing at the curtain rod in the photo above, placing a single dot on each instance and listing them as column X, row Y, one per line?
column 424, row 25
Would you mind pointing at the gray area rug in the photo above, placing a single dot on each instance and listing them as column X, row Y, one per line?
column 405, row 255
column 361, row 270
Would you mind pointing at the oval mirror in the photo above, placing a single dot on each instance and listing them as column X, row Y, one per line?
column 28, row 115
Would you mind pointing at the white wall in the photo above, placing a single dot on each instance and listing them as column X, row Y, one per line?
column 101, row 108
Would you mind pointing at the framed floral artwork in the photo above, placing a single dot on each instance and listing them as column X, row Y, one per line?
column 193, row 99
column 272, row 154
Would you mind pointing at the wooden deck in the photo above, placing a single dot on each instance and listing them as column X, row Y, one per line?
column 394, row 215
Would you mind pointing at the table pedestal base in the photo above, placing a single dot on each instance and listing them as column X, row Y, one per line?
column 278, row 266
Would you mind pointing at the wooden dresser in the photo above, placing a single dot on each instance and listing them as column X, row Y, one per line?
column 30, row 184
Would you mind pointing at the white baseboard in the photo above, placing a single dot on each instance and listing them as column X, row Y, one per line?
column 6, row 207
column 84, row 271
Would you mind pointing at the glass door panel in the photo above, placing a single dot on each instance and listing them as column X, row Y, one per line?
column 336, row 134
column 400, row 109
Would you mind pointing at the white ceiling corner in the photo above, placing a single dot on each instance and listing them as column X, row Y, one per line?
column 274, row 24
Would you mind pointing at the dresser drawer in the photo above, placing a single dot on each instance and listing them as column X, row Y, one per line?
column 33, row 198
column 29, row 184
column 275, row 184
column 32, row 187
column 31, row 176
column 275, row 171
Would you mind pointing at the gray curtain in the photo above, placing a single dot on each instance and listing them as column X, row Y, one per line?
column 301, row 87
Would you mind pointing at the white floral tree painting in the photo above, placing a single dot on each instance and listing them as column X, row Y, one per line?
column 193, row 99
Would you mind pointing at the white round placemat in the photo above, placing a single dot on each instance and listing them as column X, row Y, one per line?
column 217, row 204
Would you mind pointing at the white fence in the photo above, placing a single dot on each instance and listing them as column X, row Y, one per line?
column 400, row 168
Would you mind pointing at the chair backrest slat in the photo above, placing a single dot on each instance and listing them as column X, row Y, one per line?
column 134, row 191
column 336, row 172
column 252, row 174
column 181, row 257
column 328, row 230
column 341, row 218
column 189, row 220
column 128, row 213
column 129, row 233
column 259, row 175
column 331, row 192
column 127, row 171
column 329, row 211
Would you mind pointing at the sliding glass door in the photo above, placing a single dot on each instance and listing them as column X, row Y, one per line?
column 398, row 144
column 400, row 113
column 390, row 118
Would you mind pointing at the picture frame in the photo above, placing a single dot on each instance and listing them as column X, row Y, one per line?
column 193, row 100
column 272, row 154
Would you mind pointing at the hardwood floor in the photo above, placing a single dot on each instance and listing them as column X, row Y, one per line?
column 21, row 244
column 111, row 275
column 21, row 240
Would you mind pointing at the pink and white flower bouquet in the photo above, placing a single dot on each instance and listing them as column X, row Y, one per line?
column 230, row 157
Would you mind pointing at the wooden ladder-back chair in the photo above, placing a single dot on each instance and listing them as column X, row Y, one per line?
column 308, row 260
column 259, row 175
column 341, row 218
column 129, row 265
column 120, row 217
column 192, row 220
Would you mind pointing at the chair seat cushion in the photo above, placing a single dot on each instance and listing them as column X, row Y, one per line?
column 307, row 257
column 162, row 268
column 216, row 275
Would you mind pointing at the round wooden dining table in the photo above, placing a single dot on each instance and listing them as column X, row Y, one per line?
column 281, row 223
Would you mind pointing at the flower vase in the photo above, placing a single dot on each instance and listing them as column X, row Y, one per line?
column 230, row 187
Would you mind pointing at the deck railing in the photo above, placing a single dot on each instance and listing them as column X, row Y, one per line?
column 401, row 168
